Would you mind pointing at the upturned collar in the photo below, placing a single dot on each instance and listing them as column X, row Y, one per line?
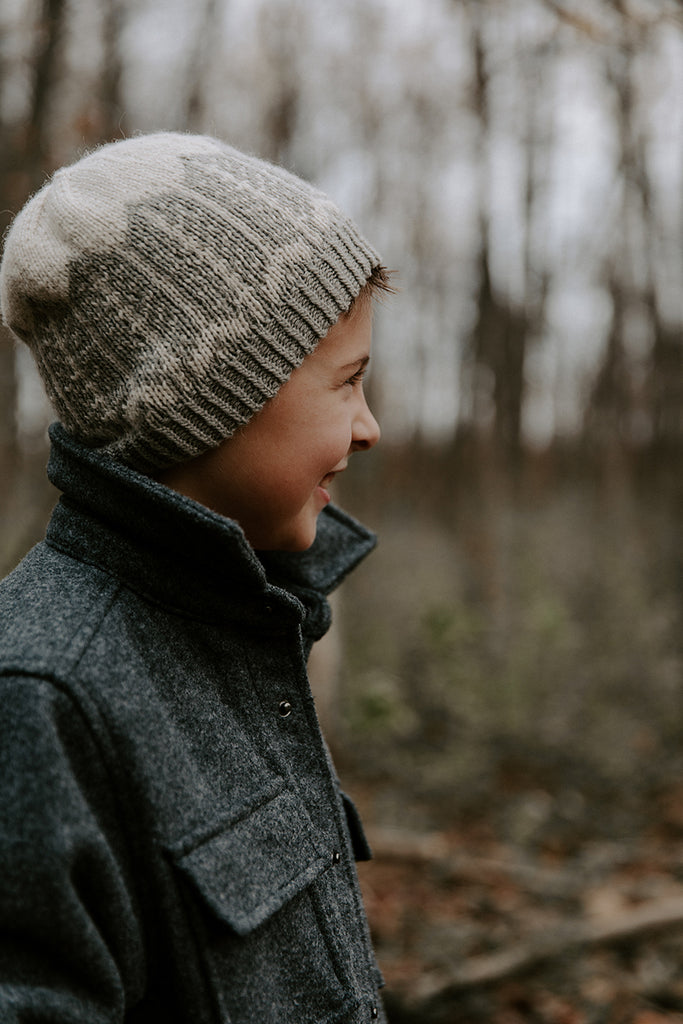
column 179, row 553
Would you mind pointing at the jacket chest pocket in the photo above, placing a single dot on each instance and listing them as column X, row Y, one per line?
column 260, row 904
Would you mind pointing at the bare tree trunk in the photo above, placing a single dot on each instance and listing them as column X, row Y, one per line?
column 281, row 28
column 8, row 432
column 24, row 160
column 113, row 113
column 199, row 65
column 497, row 348
column 35, row 157
column 324, row 666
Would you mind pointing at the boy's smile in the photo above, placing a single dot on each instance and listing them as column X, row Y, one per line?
column 273, row 476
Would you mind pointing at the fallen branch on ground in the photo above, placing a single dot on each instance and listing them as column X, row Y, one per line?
column 546, row 945
column 432, row 850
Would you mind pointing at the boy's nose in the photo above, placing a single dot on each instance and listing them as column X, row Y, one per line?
column 366, row 432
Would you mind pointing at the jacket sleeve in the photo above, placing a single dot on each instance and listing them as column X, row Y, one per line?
column 70, row 940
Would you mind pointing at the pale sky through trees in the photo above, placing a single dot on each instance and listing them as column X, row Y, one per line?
column 548, row 133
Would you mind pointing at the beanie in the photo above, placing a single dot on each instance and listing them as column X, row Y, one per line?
column 168, row 285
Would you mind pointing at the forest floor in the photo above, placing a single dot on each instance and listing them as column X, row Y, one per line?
column 471, row 928
column 511, row 727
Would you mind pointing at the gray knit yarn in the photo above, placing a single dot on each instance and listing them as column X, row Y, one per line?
column 168, row 285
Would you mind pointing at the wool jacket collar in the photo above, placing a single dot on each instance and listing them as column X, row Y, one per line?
column 182, row 555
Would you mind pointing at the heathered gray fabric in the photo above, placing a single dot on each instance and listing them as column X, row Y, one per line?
column 167, row 838
column 168, row 285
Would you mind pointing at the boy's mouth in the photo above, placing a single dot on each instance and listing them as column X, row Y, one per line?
column 329, row 477
column 327, row 481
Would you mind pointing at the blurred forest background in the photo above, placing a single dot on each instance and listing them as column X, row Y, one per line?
column 503, row 688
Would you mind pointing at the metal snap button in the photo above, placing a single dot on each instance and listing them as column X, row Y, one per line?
column 285, row 708
column 336, row 857
column 374, row 1013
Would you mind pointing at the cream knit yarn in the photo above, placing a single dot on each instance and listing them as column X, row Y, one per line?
column 168, row 285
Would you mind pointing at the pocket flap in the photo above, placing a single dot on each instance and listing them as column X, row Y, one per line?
column 249, row 869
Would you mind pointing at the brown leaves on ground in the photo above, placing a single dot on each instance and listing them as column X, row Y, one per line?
column 470, row 929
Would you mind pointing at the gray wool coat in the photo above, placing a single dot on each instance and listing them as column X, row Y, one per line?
column 174, row 846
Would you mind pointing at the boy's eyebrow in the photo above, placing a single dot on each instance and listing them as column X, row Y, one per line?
column 361, row 363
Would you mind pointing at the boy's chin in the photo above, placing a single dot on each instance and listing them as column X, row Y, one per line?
column 299, row 538
column 296, row 544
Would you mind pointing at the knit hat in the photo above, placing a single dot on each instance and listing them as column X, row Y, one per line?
column 168, row 285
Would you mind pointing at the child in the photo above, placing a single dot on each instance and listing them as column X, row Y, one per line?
column 173, row 842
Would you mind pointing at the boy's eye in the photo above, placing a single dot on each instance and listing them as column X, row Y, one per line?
column 357, row 377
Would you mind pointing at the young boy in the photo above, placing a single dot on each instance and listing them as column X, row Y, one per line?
column 173, row 842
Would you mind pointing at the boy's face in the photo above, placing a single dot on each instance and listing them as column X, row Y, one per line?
column 273, row 475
